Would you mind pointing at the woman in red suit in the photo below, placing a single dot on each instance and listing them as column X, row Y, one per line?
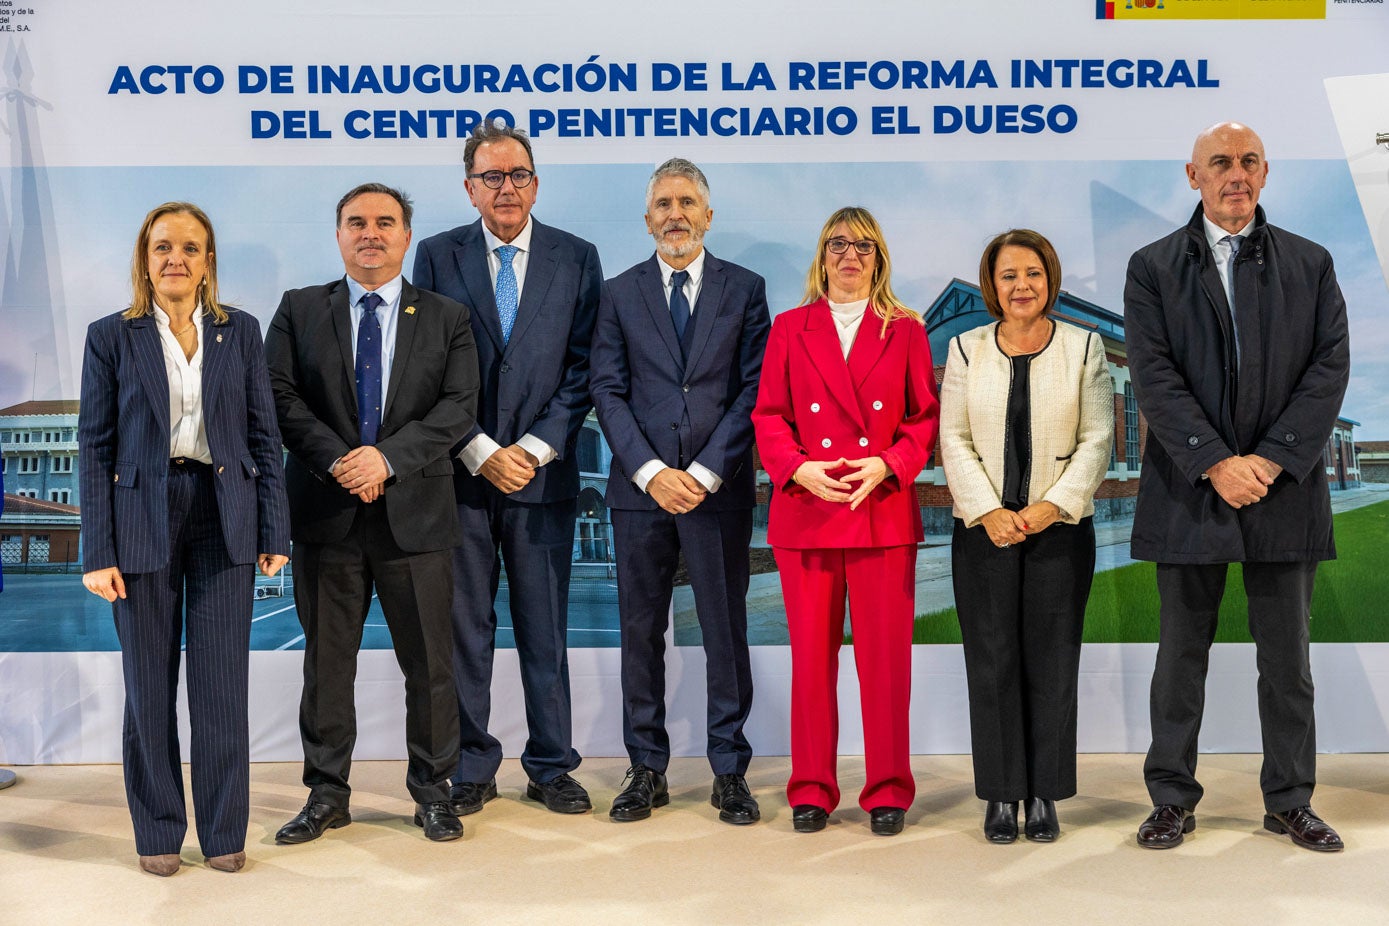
column 846, row 416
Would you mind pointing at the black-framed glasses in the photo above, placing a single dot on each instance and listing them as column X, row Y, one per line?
column 493, row 179
column 863, row 247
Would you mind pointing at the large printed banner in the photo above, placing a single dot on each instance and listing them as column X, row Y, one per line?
column 951, row 121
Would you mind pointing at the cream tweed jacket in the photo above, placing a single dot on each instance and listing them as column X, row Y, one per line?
column 1072, row 421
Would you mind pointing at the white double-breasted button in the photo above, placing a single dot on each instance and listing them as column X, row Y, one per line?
column 863, row 442
column 877, row 406
column 825, row 443
column 814, row 406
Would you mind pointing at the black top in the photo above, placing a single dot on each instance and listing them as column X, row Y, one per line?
column 1017, row 436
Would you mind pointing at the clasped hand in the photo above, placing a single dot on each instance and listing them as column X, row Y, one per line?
column 1243, row 480
column 813, row 476
column 362, row 472
column 676, row 491
column 510, row 469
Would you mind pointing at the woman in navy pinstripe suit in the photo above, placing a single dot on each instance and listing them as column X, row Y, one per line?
column 182, row 497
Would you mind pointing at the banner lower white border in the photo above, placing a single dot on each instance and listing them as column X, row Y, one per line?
column 66, row 707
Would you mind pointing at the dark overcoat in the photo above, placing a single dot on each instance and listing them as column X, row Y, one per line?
column 1280, row 400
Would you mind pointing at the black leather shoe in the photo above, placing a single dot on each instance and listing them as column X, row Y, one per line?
column 1305, row 828
column 311, row 822
column 1041, row 825
column 646, row 788
column 807, row 818
column 1001, row 822
column 468, row 796
column 733, row 799
column 1165, row 827
column 438, row 820
column 886, row 821
column 560, row 795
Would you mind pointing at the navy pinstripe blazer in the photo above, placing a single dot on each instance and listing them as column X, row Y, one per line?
column 123, row 443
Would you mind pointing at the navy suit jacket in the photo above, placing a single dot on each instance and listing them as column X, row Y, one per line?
column 123, row 443
column 537, row 382
column 430, row 403
column 652, row 403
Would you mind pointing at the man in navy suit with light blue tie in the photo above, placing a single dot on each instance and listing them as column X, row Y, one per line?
column 375, row 380
column 533, row 291
column 676, row 358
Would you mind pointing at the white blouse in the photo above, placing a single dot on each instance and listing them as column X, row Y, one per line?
column 187, row 432
column 848, row 316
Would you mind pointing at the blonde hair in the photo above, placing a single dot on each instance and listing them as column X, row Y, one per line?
column 862, row 225
column 142, row 290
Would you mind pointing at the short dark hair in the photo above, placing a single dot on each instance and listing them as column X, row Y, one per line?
column 489, row 131
column 1022, row 238
column 407, row 207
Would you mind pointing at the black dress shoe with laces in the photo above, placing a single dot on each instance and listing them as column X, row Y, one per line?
column 560, row 795
column 1001, row 822
column 1040, row 815
column 1166, row 827
column 1305, row 828
column 646, row 788
column 733, row 799
column 468, row 796
column 311, row 823
column 438, row 820
column 807, row 818
column 886, row 821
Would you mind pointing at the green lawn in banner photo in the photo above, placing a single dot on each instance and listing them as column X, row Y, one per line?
column 1347, row 605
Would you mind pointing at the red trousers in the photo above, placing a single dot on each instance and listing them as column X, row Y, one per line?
column 881, row 587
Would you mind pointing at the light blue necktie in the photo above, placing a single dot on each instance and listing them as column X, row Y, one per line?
column 506, row 290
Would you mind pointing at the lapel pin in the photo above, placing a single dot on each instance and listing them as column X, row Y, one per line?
column 219, row 339
column 409, row 310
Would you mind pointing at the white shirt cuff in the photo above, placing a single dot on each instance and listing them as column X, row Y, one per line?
column 537, row 448
column 705, row 477
column 648, row 470
column 477, row 452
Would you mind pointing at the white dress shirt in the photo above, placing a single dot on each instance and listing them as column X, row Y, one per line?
column 702, row 474
column 187, row 431
column 481, row 448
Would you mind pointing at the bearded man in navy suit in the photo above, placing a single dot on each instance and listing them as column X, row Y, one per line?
column 533, row 291
column 676, row 359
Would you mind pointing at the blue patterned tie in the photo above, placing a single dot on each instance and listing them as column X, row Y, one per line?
column 506, row 290
column 679, row 305
column 369, row 370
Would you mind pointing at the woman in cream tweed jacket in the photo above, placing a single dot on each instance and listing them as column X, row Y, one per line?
column 1027, row 417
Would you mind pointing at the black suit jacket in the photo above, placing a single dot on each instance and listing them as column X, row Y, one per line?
column 537, row 382
column 653, row 403
column 431, row 401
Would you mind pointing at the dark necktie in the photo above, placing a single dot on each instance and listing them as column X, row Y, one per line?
column 1234, row 241
column 506, row 289
column 369, row 370
column 679, row 305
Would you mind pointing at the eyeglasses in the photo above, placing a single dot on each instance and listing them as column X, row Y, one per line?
column 493, row 179
column 862, row 247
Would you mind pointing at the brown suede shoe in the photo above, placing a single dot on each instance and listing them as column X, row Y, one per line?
column 162, row 865
column 233, row 863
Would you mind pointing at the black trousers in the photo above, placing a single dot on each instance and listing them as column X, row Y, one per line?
column 1022, row 612
column 715, row 543
column 1280, row 601
column 200, row 592
column 333, row 587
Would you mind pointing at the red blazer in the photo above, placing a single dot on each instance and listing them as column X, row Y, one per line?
column 813, row 405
